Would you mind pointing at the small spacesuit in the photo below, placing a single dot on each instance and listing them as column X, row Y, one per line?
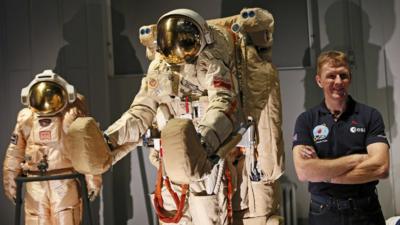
column 190, row 77
column 38, row 148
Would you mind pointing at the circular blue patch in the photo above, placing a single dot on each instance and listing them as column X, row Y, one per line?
column 320, row 132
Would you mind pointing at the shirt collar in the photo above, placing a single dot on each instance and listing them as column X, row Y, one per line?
column 351, row 106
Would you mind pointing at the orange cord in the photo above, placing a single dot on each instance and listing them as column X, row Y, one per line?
column 159, row 202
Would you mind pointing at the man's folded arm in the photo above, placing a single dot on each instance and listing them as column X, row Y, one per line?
column 322, row 170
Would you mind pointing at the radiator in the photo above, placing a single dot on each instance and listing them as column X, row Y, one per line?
column 288, row 203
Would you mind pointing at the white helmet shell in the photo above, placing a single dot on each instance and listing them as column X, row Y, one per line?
column 50, row 77
column 194, row 16
column 181, row 36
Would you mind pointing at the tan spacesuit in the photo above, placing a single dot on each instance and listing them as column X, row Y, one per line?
column 205, row 83
column 258, row 162
column 191, row 78
column 39, row 140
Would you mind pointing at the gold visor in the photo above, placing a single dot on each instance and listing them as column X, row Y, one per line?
column 178, row 39
column 47, row 98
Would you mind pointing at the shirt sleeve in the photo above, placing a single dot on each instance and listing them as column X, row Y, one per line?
column 302, row 131
column 376, row 129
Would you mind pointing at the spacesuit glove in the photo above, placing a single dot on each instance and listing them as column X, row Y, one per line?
column 206, row 146
column 11, row 193
column 93, row 184
column 108, row 141
column 12, row 197
column 154, row 157
column 93, row 193
column 213, row 158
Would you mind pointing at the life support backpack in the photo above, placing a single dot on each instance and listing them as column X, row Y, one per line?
column 252, row 33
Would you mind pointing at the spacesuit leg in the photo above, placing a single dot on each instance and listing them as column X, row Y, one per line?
column 204, row 209
column 69, row 216
column 261, row 220
column 264, row 205
column 65, row 202
column 255, row 202
column 37, row 204
column 212, row 208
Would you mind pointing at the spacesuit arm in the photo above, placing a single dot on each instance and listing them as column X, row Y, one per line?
column 76, row 109
column 15, row 153
column 135, row 121
column 218, row 121
column 79, row 109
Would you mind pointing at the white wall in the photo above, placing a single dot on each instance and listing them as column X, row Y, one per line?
column 293, row 95
column 392, row 66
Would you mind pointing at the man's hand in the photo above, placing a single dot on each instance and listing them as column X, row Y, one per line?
column 308, row 152
column 311, row 168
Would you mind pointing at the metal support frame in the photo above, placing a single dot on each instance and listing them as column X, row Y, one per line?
column 87, row 216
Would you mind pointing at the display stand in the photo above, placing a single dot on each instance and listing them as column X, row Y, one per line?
column 87, row 216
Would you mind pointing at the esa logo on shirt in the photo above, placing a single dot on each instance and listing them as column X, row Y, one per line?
column 357, row 130
column 320, row 133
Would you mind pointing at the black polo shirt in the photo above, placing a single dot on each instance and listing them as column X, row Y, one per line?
column 357, row 127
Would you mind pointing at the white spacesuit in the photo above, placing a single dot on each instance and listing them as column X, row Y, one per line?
column 191, row 77
column 39, row 140
column 203, row 83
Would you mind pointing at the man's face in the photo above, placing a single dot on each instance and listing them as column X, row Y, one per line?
column 334, row 81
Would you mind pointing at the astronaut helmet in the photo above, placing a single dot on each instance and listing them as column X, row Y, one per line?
column 181, row 36
column 48, row 94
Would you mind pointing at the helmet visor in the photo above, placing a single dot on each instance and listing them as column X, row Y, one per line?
column 47, row 98
column 178, row 39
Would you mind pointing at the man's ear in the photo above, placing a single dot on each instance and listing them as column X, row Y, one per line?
column 318, row 80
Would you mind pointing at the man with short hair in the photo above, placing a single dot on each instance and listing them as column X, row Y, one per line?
column 340, row 148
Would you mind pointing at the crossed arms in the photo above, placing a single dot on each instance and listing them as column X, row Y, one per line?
column 350, row 169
